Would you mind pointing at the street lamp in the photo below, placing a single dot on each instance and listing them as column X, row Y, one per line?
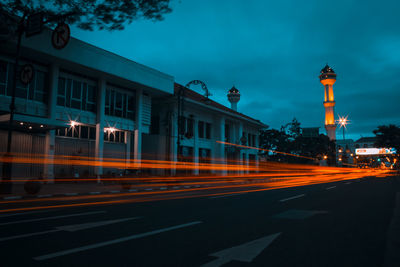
column 343, row 121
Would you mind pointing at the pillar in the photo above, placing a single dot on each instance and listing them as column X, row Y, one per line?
column 99, row 146
column 50, row 139
column 137, row 152
column 196, row 146
column 221, row 147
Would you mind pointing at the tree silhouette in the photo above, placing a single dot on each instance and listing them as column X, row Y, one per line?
column 388, row 136
column 88, row 14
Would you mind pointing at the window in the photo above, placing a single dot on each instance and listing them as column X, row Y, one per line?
column 35, row 90
column 201, row 129
column 208, row 130
column 155, row 125
column 190, row 127
column 249, row 140
column 120, row 104
column 78, row 131
column 3, row 77
column 227, row 133
column 76, row 94
column 114, row 136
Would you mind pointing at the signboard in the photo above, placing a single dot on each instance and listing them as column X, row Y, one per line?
column 61, row 36
column 34, row 24
column 375, row 151
column 26, row 74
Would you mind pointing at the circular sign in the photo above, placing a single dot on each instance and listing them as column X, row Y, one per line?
column 26, row 74
column 60, row 36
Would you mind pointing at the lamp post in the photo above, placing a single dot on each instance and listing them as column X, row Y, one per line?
column 343, row 121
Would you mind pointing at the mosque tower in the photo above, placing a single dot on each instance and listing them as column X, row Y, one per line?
column 328, row 78
column 233, row 97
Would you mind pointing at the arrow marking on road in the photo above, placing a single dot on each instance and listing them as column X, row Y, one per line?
column 69, row 228
column 245, row 252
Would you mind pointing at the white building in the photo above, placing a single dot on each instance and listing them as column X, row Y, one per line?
column 118, row 109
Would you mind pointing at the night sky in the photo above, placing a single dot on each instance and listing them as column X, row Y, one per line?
column 273, row 51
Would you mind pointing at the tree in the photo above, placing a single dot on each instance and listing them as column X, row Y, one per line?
column 290, row 146
column 88, row 14
column 388, row 136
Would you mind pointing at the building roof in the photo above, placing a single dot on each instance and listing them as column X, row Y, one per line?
column 366, row 140
column 327, row 69
column 233, row 90
column 204, row 100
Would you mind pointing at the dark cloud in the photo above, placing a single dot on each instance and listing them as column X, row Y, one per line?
column 273, row 53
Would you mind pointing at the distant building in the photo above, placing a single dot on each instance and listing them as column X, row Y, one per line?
column 365, row 142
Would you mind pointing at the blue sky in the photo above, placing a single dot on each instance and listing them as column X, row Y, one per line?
column 273, row 51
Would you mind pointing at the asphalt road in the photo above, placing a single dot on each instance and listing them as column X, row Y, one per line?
column 345, row 223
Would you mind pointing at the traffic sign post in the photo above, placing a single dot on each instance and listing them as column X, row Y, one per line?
column 26, row 74
column 34, row 24
column 60, row 36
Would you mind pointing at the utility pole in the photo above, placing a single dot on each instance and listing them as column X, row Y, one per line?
column 6, row 185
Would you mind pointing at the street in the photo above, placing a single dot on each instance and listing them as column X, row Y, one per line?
column 344, row 223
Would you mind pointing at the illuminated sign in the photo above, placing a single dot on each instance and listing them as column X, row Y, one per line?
column 375, row 151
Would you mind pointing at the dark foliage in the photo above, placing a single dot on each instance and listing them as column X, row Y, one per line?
column 388, row 136
column 90, row 14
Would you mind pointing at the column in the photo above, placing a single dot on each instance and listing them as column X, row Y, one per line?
column 137, row 152
column 101, row 102
column 173, row 156
column 257, row 146
column 50, row 139
column 196, row 146
column 128, row 148
column 221, row 147
column 240, row 142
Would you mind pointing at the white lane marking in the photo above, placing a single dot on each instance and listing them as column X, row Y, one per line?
column 230, row 195
column 163, row 188
column 84, row 226
column 54, row 217
column 111, row 242
column 28, row 235
column 290, row 198
column 40, row 196
column 94, row 193
column 12, row 197
column 69, row 228
column 71, row 194
column 115, row 191
column 245, row 253
column 149, row 189
column 329, row 188
column 132, row 190
column 23, row 213
column 348, row 183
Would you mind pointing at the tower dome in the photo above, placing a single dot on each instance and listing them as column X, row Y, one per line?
column 233, row 97
column 327, row 73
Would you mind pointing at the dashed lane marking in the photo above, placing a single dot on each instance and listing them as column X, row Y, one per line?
column 111, row 242
column 132, row 190
column 94, row 193
column 230, row 195
column 24, row 213
column 115, row 191
column 54, row 217
column 12, row 197
column 329, row 188
column 290, row 198
column 348, row 183
column 48, row 195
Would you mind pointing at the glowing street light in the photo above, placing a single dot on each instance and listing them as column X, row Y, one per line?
column 343, row 121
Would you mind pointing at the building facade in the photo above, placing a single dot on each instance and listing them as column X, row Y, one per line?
column 86, row 102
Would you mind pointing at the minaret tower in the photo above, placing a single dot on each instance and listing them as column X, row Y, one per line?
column 234, row 97
column 328, row 78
